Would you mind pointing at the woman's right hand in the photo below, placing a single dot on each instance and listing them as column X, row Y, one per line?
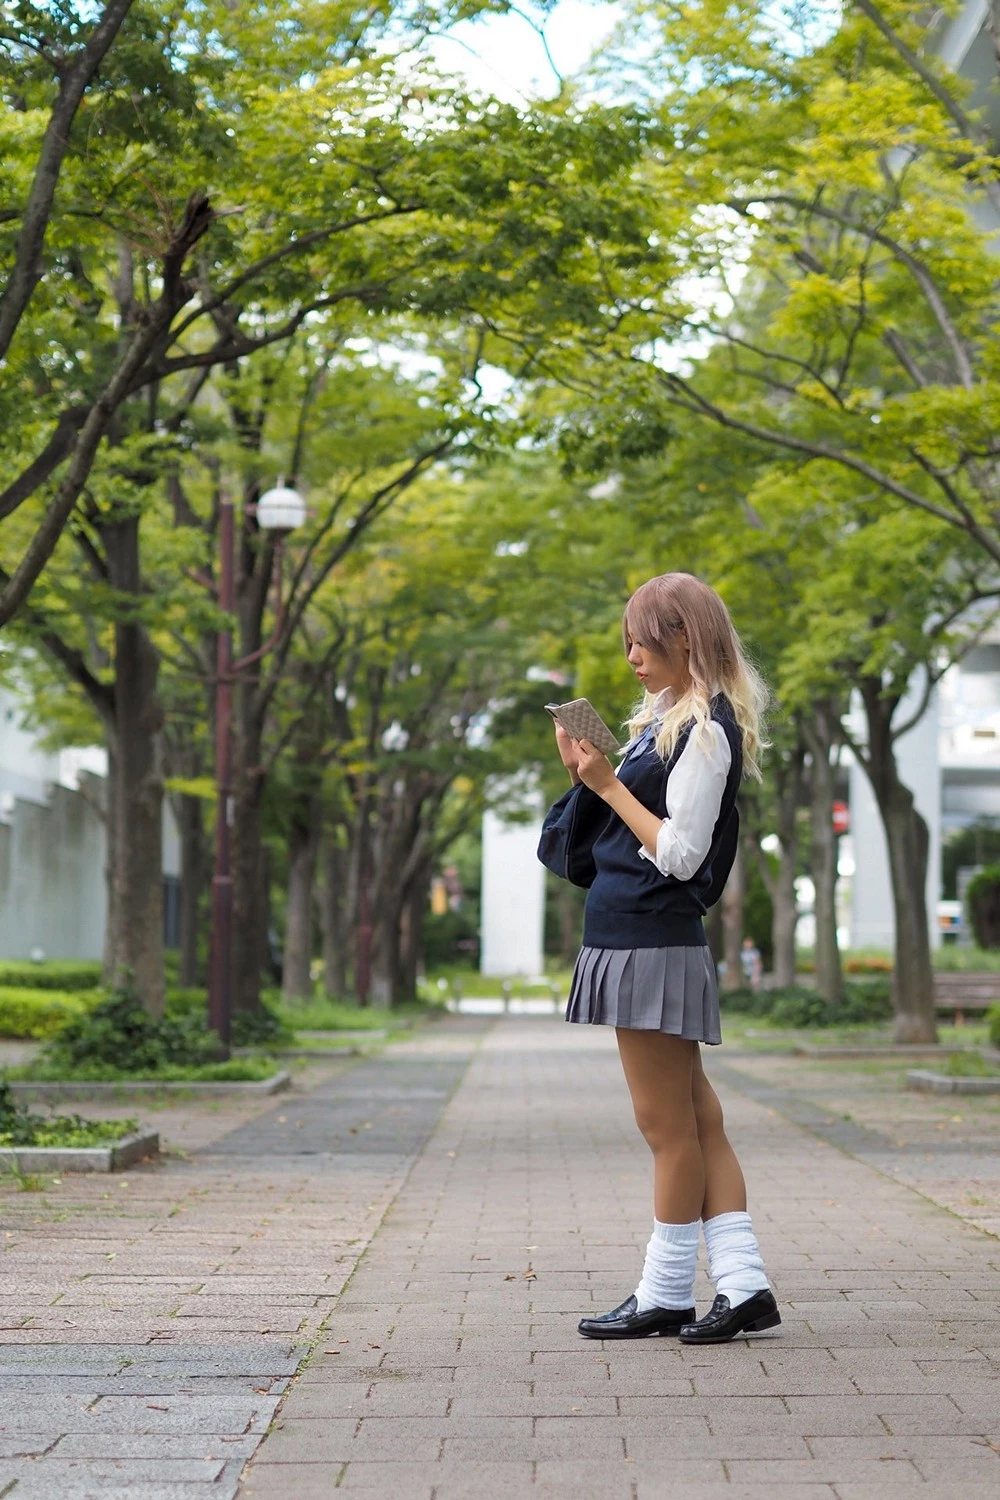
column 568, row 752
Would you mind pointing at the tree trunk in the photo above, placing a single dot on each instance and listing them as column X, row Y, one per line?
column 386, row 952
column 246, row 857
column 732, row 923
column 303, row 847
column 908, row 845
column 336, row 906
column 110, row 884
column 191, row 826
column 822, row 732
column 412, row 931
column 788, row 778
column 784, row 919
column 137, row 788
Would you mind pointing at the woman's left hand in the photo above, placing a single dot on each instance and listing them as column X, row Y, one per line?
column 593, row 768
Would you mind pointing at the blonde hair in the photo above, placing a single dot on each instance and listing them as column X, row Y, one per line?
column 657, row 617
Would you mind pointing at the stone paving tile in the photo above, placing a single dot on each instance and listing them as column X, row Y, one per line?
column 165, row 1311
column 529, row 1205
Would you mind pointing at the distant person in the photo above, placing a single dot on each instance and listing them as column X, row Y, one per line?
column 644, row 839
column 751, row 963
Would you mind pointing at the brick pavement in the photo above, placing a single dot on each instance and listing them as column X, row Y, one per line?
column 150, row 1322
column 451, row 1367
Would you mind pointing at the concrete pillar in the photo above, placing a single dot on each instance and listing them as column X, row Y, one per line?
column 872, row 923
column 513, row 894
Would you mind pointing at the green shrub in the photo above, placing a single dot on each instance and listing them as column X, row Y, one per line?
column 798, row 1006
column 181, row 1002
column 37, row 1014
column 119, row 1034
column 260, row 1028
column 747, row 1002
column 19, row 1127
column 866, row 1001
column 55, row 974
column 982, row 900
column 993, row 1023
column 969, row 1065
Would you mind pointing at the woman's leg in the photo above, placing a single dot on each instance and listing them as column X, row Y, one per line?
column 659, row 1071
column 734, row 1259
column 725, row 1188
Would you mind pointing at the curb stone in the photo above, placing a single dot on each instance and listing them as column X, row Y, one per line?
column 112, row 1157
column 216, row 1090
column 926, row 1082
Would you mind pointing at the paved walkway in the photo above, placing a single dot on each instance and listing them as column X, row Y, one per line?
column 151, row 1321
column 423, row 1229
column 451, row 1367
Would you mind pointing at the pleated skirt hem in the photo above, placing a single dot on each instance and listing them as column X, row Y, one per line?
column 670, row 990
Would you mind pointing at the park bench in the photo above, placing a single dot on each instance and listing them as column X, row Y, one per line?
column 966, row 992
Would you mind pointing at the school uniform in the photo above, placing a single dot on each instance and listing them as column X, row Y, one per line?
column 645, row 963
column 645, row 966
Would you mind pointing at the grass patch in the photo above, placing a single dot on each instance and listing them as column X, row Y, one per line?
column 20, row 1127
column 968, row 1065
column 67, row 1130
column 337, row 1015
column 450, row 982
column 235, row 1070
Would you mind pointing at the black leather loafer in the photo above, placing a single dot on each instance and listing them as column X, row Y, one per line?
column 626, row 1322
column 724, row 1322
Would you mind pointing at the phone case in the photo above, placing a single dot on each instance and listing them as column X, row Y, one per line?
column 580, row 719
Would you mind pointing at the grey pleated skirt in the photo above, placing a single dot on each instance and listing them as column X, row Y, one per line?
column 673, row 990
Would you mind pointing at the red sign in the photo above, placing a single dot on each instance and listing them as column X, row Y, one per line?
column 841, row 818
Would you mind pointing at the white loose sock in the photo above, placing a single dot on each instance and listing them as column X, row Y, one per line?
column 735, row 1263
column 668, row 1271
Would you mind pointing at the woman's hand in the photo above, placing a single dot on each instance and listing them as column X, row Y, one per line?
column 593, row 768
column 568, row 752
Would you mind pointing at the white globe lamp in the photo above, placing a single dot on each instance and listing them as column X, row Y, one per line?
column 281, row 509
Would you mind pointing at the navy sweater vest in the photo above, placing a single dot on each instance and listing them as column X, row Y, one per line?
column 630, row 904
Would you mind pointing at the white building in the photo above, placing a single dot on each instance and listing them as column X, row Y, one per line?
column 52, row 847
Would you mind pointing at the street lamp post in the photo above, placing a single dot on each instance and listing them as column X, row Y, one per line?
column 279, row 511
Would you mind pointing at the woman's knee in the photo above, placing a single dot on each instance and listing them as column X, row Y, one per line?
column 664, row 1130
column 707, row 1110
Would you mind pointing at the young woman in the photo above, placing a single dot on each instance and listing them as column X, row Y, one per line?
column 650, row 835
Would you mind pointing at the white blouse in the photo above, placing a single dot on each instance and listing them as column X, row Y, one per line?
column 694, row 797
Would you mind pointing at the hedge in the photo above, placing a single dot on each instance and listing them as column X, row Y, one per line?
column 55, row 974
column 38, row 1014
column 993, row 1022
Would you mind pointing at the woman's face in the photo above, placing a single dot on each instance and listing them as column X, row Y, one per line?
column 657, row 672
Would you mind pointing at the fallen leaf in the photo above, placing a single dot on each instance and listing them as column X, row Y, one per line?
column 529, row 1275
column 510, row 1277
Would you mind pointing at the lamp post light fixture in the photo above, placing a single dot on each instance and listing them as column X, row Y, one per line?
column 278, row 511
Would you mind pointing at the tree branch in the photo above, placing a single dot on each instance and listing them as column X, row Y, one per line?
column 943, row 95
column 31, row 241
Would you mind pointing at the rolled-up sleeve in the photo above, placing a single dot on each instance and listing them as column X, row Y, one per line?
column 694, row 797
